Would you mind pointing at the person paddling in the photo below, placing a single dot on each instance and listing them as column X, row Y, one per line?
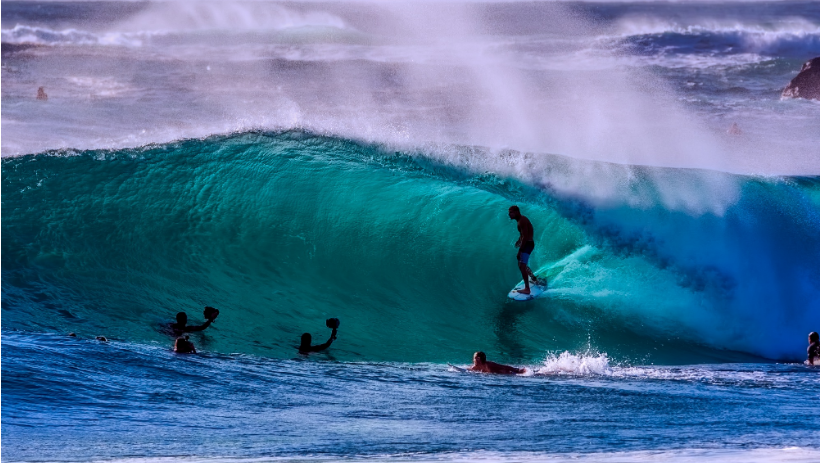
column 525, row 245
column 481, row 364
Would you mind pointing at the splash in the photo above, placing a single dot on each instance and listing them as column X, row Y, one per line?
column 567, row 363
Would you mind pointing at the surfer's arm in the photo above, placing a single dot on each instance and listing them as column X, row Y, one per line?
column 189, row 329
column 503, row 369
column 325, row 345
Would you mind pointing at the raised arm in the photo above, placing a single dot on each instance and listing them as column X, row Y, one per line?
column 324, row 346
column 190, row 329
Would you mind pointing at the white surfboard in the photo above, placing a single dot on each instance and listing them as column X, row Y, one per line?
column 458, row 369
column 545, row 274
column 535, row 291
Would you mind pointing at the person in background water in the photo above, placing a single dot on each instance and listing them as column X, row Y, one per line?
column 41, row 94
column 181, row 326
column 814, row 349
column 525, row 245
column 306, row 348
column 481, row 364
column 183, row 346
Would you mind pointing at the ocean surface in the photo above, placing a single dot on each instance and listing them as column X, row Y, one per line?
column 289, row 162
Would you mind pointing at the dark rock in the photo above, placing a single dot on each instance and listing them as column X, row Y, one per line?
column 807, row 82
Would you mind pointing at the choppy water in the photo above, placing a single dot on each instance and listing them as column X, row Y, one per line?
column 291, row 162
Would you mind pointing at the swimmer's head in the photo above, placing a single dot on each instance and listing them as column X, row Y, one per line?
column 182, row 318
column 479, row 358
column 814, row 337
column 306, row 339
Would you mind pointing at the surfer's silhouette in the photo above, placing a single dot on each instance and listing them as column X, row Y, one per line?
column 813, row 350
column 181, row 326
column 306, row 348
column 481, row 364
column 525, row 245
column 183, row 346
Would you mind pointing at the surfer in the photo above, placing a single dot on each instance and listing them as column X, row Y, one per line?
column 41, row 94
column 481, row 364
column 306, row 348
column 814, row 349
column 183, row 346
column 525, row 245
column 181, row 326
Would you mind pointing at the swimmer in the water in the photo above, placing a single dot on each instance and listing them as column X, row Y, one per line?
column 481, row 364
column 306, row 348
column 813, row 351
column 183, row 346
column 181, row 326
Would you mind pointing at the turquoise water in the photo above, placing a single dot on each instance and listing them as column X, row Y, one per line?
column 281, row 231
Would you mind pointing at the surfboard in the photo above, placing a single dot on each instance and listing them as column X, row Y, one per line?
column 545, row 274
column 458, row 369
column 535, row 291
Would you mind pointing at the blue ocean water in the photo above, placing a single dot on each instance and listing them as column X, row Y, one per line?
column 287, row 163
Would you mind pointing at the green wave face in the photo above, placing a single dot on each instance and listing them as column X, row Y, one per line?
column 280, row 231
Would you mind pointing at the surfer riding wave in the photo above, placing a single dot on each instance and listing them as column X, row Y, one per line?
column 525, row 245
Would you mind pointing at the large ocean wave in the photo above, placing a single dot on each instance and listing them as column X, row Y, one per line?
column 413, row 251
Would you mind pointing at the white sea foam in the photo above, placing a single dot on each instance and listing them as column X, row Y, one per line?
column 567, row 363
column 228, row 17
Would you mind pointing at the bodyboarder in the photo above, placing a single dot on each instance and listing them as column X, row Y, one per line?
column 481, row 364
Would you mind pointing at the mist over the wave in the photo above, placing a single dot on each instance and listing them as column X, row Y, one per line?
column 573, row 79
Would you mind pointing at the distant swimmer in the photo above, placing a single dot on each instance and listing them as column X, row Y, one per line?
column 41, row 94
column 525, row 245
column 481, row 364
column 814, row 349
column 306, row 348
column 183, row 346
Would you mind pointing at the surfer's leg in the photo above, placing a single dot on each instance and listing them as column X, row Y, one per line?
column 522, row 265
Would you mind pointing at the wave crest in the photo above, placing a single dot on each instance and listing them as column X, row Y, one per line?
column 22, row 34
column 793, row 37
